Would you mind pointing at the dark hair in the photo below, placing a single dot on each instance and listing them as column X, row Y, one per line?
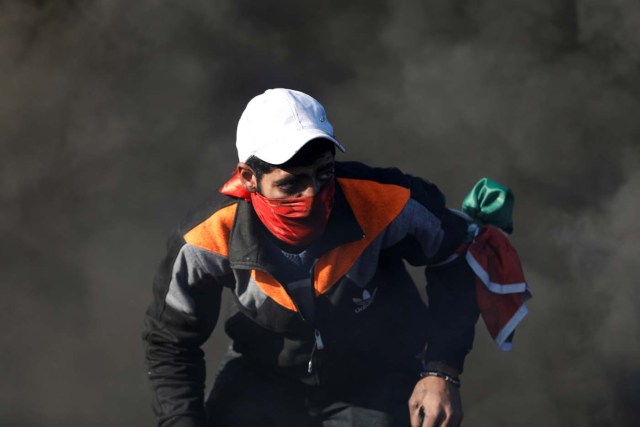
column 260, row 167
column 306, row 156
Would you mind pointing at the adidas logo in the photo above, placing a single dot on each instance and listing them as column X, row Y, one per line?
column 365, row 301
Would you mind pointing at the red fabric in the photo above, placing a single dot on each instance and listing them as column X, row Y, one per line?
column 296, row 221
column 500, row 284
column 499, row 259
column 234, row 187
column 497, row 310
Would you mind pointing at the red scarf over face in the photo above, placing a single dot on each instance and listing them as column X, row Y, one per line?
column 296, row 221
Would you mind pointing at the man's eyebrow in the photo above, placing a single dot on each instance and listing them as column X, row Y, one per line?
column 293, row 177
column 286, row 180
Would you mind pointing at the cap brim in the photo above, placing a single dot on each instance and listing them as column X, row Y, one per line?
column 283, row 150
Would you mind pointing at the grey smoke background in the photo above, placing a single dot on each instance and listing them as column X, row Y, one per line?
column 117, row 116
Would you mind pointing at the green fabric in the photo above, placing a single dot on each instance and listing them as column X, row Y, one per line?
column 490, row 202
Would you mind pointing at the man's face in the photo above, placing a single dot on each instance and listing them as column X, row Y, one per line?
column 296, row 181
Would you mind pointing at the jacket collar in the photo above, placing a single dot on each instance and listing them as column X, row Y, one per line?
column 248, row 248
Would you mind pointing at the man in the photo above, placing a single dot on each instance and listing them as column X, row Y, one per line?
column 328, row 327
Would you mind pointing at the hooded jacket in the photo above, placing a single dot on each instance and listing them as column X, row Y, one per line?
column 345, row 310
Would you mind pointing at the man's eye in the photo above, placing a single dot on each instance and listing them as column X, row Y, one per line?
column 286, row 188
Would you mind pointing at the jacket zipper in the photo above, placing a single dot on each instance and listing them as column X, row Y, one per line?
column 318, row 344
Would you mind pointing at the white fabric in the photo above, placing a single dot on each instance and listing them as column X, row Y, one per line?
column 508, row 329
column 496, row 288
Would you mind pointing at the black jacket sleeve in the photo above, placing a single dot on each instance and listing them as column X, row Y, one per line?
column 173, row 337
column 451, row 291
column 453, row 312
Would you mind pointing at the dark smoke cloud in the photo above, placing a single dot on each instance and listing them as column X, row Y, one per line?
column 117, row 116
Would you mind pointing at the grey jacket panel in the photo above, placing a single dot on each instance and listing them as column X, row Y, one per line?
column 191, row 265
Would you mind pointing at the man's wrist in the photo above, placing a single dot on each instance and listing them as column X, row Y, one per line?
column 454, row 381
column 441, row 367
column 441, row 370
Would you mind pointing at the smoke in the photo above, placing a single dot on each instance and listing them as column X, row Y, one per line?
column 117, row 116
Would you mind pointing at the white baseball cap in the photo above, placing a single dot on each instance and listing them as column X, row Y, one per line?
column 278, row 123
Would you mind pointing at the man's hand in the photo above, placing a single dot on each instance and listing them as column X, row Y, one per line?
column 438, row 401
